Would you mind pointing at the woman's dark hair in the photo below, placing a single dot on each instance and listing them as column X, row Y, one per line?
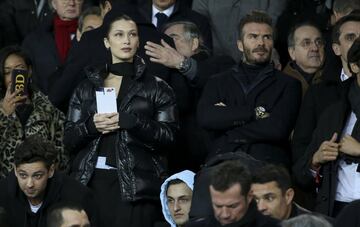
column 114, row 19
column 4, row 54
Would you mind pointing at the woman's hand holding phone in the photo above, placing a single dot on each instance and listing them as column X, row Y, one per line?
column 11, row 100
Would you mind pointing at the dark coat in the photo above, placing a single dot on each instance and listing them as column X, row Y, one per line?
column 333, row 119
column 91, row 51
column 41, row 47
column 191, row 140
column 316, row 100
column 252, row 218
column 59, row 188
column 18, row 18
column 183, row 13
column 149, row 110
column 293, row 72
column 235, row 126
column 349, row 216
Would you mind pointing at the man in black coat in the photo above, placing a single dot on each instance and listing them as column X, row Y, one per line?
column 159, row 12
column 34, row 186
column 232, row 200
column 251, row 107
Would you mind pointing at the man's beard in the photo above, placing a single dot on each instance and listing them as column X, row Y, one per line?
column 249, row 59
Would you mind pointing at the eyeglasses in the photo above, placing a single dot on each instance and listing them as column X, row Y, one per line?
column 307, row 43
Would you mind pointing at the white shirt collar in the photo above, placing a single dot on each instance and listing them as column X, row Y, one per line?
column 168, row 12
column 343, row 76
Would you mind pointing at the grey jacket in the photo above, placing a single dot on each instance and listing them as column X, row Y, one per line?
column 224, row 17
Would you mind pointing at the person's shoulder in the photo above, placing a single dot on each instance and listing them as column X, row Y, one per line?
column 202, row 222
column 266, row 221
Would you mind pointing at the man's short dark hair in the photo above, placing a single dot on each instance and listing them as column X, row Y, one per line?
column 269, row 173
column 291, row 36
column 54, row 215
column 229, row 173
column 354, row 53
column 345, row 6
column 336, row 29
column 33, row 149
column 255, row 16
column 94, row 10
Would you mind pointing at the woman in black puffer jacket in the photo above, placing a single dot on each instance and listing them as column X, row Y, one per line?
column 119, row 155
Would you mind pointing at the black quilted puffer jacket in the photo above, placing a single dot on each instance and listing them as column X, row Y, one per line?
column 148, row 122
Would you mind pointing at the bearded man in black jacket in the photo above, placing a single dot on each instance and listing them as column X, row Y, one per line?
column 251, row 107
column 29, row 191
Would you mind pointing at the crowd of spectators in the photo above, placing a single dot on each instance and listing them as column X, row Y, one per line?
column 179, row 113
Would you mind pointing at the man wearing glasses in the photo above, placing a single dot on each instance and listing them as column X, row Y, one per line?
column 306, row 50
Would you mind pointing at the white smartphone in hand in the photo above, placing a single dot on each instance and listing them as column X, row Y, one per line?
column 106, row 100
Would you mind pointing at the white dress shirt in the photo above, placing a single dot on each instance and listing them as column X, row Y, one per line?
column 168, row 12
column 348, row 186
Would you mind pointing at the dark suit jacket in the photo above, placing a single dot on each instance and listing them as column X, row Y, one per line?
column 41, row 47
column 317, row 98
column 183, row 13
column 333, row 119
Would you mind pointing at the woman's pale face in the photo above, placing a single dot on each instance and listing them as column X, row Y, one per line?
column 123, row 40
column 12, row 62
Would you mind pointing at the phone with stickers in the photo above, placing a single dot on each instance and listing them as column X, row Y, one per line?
column 20, row 82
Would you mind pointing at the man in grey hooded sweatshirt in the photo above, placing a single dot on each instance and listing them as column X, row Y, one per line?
column 175, row 196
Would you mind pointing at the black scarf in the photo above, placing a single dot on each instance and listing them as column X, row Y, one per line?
column 354, row 99
column 127, row 71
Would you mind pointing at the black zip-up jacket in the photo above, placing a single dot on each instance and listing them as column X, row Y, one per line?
column 236, row 127
column 147, row 120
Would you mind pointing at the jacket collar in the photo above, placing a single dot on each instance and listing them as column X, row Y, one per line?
column 97, row 74
column 291, row 70
column 266, row 73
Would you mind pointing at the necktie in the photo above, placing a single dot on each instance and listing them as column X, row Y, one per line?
column 161, row 19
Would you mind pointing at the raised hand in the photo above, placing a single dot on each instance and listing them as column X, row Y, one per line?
column 328, row 151
column 349, row 145
column 11, row 100
column 163, row 54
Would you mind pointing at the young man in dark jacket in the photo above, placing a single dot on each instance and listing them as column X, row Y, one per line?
column 34, row 186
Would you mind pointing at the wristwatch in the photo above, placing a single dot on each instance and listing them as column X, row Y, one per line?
column 260, row 112
column 184, row 66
